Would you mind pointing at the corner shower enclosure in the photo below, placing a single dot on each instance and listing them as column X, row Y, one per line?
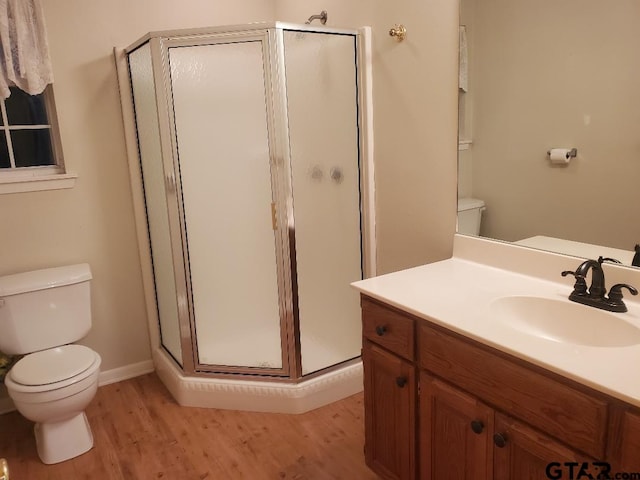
column 250, row 142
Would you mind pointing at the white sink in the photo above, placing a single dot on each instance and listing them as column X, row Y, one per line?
column 563, row 321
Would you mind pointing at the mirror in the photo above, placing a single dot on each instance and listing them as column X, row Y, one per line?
column 549, row 74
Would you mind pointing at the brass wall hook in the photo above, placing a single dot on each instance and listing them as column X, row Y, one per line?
column 399, row 32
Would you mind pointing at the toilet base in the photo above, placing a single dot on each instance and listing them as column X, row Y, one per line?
column 60, row 441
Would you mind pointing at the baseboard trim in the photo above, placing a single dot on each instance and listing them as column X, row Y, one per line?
column 258, row 396
column 105, row 378
column 125, row 373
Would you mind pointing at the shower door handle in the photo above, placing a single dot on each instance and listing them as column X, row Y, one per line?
column 170, row 182
column 274, row 216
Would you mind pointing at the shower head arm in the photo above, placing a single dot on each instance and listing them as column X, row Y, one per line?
column 322, row 17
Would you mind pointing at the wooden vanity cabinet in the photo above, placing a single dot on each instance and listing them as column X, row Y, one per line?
column 470, row 412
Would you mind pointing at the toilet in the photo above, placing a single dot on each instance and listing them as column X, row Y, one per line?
column 41, row 314
column 470, row 215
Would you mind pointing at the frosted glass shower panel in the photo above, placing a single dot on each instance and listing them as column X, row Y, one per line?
column 144, row 97
column 219, row 100
column 321, row 81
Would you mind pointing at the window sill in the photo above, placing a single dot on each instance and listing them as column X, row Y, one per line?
column 37, row 183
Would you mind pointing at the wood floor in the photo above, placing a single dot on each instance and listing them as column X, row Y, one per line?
column 141, row 433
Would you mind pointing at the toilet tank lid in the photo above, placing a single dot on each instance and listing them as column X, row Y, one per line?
column 42, row 279
column 469, row 204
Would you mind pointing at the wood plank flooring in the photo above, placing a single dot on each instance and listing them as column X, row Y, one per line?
column 141, row 433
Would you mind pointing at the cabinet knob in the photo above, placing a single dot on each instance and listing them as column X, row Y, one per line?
column 401, row 381
column 477, row 426
column 500, row 440
column 381, row 330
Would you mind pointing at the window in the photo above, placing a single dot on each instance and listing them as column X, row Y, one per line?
column 26, row 132
column 30, row 153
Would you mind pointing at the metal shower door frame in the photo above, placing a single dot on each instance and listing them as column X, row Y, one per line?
column 183, row 277
column 367, row 224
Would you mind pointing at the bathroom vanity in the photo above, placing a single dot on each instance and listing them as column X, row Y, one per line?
column 455, row 388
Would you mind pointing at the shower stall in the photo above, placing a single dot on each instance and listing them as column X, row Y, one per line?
column 253, row 169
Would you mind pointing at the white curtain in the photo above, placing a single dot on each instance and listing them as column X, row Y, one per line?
column 24, row 50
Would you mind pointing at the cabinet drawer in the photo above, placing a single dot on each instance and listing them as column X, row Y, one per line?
column 388, row 328
column 545, row 403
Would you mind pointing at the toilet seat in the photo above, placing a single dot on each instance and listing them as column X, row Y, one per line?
column 53, row 369
column 53, row 365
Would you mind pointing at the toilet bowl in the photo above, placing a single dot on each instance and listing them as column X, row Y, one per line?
column 52, row 388
column 41, row 313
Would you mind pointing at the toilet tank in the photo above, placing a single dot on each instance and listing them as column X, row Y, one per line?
column 44, row 308
column 469, row 215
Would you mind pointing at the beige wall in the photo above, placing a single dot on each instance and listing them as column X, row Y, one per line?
column 415, row 98
column 557, row 74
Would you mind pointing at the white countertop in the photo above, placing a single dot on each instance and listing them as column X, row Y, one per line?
column 457, row 294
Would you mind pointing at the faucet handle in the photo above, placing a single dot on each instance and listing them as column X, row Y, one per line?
column 615, row 297
column 580, row 287
column 602, row 259
column 615, row 293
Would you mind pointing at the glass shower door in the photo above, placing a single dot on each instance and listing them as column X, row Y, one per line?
column 322, row 101
column 220, row 113
column 156, row 198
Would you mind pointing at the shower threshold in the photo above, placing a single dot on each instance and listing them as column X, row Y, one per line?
column 258, row 395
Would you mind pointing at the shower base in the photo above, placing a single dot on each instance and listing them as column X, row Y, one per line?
column 258, row 396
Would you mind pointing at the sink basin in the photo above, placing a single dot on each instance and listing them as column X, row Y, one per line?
column 564, row 321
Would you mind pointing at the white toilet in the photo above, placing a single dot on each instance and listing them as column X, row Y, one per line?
column 41, row 313
column 470, row 215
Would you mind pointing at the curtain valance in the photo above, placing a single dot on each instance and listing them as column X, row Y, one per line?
column 24, row 50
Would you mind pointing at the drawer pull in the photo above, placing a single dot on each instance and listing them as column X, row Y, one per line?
column 381, row 330
column 477, row 426
column 500, row 440
column 401, row 381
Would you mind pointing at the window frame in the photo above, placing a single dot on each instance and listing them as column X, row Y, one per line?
column 37, row 178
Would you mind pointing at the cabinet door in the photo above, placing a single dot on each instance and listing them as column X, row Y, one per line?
column 390, row 427
column 523, row 453
column 455, row 433
column 624, row 441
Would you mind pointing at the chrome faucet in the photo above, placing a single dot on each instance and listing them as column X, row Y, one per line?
column 595, row 295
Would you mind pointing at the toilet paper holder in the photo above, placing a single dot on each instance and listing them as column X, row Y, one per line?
column 573, row 153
